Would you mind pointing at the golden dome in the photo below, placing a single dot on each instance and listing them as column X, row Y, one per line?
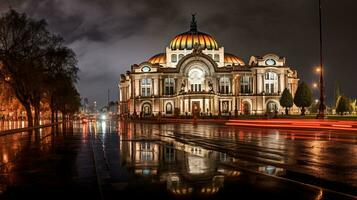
column 188, row 39
column 231, row 59
column 158, row 59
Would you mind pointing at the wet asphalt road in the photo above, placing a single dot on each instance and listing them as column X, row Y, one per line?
column 107, row 160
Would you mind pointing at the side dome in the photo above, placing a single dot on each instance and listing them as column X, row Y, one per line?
column 188, row 39
column 158, row 59
column 230, row 59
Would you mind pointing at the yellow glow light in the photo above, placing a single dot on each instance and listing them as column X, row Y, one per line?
column 318, row 69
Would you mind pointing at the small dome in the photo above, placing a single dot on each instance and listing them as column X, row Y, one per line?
column 158, row 59
column 188, row 39
column 230, row 59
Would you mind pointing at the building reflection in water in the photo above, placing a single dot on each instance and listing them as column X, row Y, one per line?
column 185, row 168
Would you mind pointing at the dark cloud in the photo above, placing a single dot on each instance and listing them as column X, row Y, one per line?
column 109, row 35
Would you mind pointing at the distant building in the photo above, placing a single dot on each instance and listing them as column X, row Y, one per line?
column 195, row 74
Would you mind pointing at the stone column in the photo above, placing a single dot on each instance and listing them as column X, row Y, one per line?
column 254, row 89
column 259, row 83
column 204, row 104
column 279, row 83
column 137, row 87
column 189, row 104
column 155, row 85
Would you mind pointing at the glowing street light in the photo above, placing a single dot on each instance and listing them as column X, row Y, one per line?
column 318, row 69
column 314, row 85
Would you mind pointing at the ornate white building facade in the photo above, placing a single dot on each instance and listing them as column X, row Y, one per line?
column 196, row 75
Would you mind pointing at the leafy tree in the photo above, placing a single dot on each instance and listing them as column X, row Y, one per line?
column 23, row 43
column 286, row 100
column 35, row 63
column 303, row 97
column 60, row 67
column 70, row 102
column 342, row 105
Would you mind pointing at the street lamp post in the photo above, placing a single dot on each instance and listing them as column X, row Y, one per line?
column 322, row 106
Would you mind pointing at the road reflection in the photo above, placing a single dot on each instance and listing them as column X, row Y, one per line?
column 166, row 154
column 179, row 160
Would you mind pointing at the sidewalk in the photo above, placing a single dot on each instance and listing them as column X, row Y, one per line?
column 17, row 130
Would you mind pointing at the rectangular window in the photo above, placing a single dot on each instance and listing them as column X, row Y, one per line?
column 171, row 90
column 272, row 88
column 245, row 84
column 216, row 57
column 169, row 86
column 267, row 88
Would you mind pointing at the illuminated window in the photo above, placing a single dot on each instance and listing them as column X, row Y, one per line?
column 145, row 69
column 245, row 84
column 168, row 108
column 216, row 57
column 146, row 87
column 173, row 58
column 196, row 79
column 271, row 82
column 146, row 109
column 270, row 62
column 169, row 86
column 224, row 85
column 272, row 107
column 225, row 106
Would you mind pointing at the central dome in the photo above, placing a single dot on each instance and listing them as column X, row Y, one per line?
column 188, row 39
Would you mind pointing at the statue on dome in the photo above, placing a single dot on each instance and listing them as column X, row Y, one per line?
column 197, row 48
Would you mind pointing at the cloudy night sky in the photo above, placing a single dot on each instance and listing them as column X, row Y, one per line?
column 111, row 35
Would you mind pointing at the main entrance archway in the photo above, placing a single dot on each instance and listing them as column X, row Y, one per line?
column 196, row 108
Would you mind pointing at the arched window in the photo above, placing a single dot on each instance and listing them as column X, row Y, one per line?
column 246, row 108
column 246, row 84
column 146, row 109
column 168, row 108
column 180, row 57
column 173, row 58
column 224, row 85
column 146, row 87
column 169, row 86
column 196, row 78
column 272, row 107
column 271, row 83
column 216, row 57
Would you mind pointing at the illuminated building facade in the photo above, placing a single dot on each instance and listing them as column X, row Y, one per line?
column 196, row 75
